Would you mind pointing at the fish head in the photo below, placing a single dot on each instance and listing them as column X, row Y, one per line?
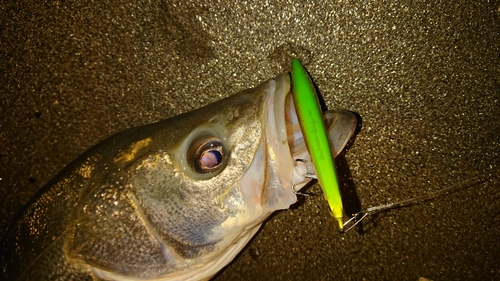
column 216, row 173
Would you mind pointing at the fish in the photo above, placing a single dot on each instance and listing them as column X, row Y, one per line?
column 173, row 200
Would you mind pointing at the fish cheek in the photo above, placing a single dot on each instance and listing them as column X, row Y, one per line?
column 175, row 207
column 235, row 198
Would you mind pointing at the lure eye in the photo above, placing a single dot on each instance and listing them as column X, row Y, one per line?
column 209, row 156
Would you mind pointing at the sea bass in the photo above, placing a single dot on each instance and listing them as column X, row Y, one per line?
column 173, row 200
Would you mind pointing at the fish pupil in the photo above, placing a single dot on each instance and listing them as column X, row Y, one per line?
column 211, row 158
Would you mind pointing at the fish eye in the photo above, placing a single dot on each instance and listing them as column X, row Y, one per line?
column 209, row 156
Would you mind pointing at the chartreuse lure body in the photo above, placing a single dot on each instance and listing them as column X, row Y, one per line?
column 315, row 135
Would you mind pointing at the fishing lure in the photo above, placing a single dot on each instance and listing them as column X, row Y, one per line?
column 313, row 129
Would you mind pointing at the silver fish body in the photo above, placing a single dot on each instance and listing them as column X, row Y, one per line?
column 174, row 200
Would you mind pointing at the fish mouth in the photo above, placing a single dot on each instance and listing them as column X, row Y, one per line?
column 290, row 133
column 284, row 146
column 275, row 174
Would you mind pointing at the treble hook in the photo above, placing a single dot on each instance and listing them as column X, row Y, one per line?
column 309, row 167
column 299, row 193
column 308, row 175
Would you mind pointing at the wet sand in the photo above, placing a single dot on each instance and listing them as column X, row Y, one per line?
column 424, row 78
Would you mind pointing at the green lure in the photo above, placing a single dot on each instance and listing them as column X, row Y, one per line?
column 316, row 139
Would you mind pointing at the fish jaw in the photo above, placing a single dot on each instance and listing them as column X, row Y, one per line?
column 275, row 168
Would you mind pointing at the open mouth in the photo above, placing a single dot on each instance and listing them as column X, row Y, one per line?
column 340, row 126
column 275, row 173
column 288, row 125
column 284, row 123
column 284, row 145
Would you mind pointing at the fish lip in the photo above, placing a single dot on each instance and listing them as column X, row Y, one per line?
column 290, row 132
column 284, row 114
column 267, row 184
column 281, row 124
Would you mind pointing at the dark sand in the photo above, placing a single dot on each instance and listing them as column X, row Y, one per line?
column 425, row 79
